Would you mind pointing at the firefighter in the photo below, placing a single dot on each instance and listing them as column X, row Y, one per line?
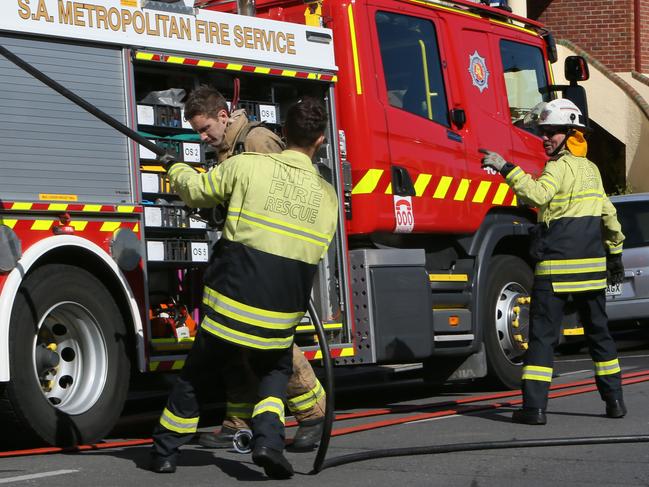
column 229, row 134
column 281, row 218
column 207, row 112
column 305, row 401
column 577, row 241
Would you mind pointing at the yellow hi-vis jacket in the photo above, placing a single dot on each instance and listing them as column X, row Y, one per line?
column 281, row 218
column 580, row 222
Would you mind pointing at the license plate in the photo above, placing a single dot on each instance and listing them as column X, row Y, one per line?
column 614, row 290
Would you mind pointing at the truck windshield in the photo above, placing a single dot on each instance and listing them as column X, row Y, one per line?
column 525, row 78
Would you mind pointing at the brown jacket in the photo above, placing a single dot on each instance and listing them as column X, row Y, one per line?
column 258, row 140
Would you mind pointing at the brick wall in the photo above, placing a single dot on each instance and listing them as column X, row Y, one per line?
column 644, row 36
column 603, row 28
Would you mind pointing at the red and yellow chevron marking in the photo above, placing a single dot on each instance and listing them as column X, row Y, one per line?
column 444, row 187
column 171, row 344
column 168, row 365
column 68, row 207
column 204, row 63
column 334, row 352
column 165, row 365
column 39, row 224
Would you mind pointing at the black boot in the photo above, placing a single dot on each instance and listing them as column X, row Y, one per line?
column 529, row 416
column 222, row 439
column 273, row 462
column 615, row 408
column 162, row 464
column 307, row 435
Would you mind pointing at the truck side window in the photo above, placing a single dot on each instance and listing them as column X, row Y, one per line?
column 525, row 78
column 411, row 65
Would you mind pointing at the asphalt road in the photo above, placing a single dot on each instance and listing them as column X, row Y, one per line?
column 571, row 416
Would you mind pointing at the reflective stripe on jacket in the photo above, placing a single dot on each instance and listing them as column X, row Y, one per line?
column 281, row 218
column 579, row 220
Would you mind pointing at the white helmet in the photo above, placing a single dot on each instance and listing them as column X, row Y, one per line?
column 560, row 112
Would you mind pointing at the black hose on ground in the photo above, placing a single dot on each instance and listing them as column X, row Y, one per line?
column 329, row 389
column 320, row 464
column 487, row 445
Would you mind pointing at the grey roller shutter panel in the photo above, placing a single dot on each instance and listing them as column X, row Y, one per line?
column 48, row 145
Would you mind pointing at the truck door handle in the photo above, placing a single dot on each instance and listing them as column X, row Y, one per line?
column 401, row 182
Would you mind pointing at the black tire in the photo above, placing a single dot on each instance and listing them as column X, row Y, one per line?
column 78, row 400
column 510, row 278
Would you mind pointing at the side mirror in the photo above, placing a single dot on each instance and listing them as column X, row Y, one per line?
column 458, row 117
column 576, row 69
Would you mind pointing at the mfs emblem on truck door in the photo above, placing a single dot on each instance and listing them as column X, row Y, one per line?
column 478, row 70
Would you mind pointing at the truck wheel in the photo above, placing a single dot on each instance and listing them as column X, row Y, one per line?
column 68, row 362
column 506, row 320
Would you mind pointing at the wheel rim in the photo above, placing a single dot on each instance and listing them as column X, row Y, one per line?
column 512, row 321
column 69, row 358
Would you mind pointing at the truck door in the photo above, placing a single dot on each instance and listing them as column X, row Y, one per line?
column 427, row 154
column 525, row 77
column 488, row 121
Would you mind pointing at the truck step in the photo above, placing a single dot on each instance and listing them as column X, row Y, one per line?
column 448, row 281
column 451, row 300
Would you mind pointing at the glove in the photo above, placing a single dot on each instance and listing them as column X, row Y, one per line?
column 214, row 217
column 614, row 269
column 492, row 159
column 167, row 161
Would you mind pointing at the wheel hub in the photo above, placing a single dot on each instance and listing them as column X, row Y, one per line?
column 46, row 358
column 512, row 321
column 69, row 358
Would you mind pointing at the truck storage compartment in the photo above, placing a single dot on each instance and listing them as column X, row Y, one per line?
column 393, row 310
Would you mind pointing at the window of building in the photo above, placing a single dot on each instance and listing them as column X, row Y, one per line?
column 412, row 66
column 525, row 78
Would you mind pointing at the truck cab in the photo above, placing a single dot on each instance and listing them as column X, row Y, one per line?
column 423, row 85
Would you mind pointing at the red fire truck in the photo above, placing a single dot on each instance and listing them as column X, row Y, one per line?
column 100, row 264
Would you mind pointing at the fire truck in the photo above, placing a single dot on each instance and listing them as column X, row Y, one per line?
column 101, row 264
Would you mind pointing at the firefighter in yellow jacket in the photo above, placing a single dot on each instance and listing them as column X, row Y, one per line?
column 578, row 241
column 281, row 218
column 230, row 134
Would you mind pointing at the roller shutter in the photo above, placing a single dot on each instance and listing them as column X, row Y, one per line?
column 48, row 145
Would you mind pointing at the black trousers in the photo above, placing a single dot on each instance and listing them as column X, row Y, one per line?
column 207, row 360
column 546, row 315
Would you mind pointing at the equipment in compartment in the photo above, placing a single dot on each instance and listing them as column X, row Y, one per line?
column 261, row 111
column 175, row 215
column 181, row 251
column 186, row 151
column 159, row 115
column 179, row 240
column 174, row 300
column 171, row 319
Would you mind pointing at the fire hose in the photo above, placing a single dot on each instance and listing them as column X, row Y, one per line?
column 320, row 464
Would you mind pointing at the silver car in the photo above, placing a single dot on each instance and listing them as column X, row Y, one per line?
column 630, row 300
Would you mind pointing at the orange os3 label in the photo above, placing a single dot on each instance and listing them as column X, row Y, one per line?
column 403, row 214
